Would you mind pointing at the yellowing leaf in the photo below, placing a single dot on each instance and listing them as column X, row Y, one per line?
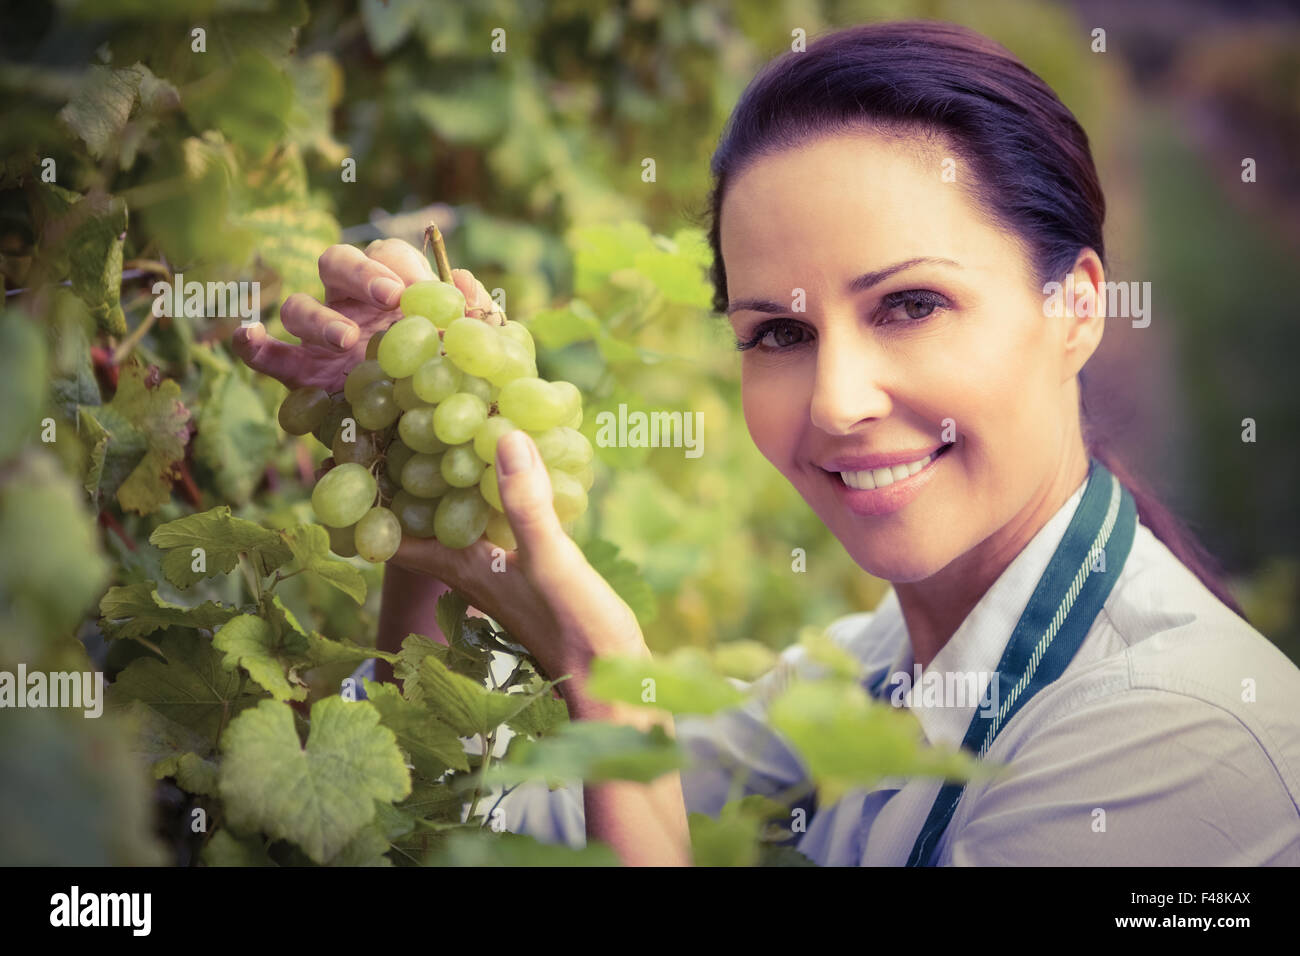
column 145, row 415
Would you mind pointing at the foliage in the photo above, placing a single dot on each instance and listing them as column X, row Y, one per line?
column 154, row 516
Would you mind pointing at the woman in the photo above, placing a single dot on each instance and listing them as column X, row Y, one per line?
column 889, row 208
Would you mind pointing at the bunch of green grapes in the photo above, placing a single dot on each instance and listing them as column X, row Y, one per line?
column 413, row 434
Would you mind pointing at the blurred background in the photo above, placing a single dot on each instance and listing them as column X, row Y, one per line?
column 302, row 124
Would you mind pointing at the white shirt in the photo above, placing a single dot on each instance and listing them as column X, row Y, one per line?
column 1172, row 738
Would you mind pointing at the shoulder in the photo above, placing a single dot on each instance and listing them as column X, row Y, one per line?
column 1173, row 738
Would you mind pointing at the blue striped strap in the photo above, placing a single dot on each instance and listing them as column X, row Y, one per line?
column 1052, row 628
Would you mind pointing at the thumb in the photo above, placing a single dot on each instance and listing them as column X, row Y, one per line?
column 545, row 550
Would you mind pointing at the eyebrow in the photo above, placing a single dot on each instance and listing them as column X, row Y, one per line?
column 860, row 284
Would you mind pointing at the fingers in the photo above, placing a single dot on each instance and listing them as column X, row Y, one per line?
column 476, row 294
column 548, row 555
column 348, row 273
column 318, row 324
column 269, row 356
column 403, row 258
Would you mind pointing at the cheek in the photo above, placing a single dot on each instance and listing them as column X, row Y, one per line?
column 775, row 408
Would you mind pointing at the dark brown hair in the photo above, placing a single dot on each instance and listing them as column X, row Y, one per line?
column 1033, row 168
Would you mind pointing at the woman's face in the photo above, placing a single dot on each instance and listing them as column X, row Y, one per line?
column 893, row 367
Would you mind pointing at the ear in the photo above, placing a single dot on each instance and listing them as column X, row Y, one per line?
column 1085, row 312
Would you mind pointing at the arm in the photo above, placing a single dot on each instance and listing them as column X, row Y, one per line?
column 407, row 605
column 644, row 823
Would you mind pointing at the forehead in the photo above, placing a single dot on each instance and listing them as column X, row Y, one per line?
column 846, row 203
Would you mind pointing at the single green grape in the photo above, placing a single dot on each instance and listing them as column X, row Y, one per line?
column 342, row 541
column 415, row 515
column 474, row 346
column 439, row 302
column 479, row 387
column 461, row 467
column 489, row 433
column 499, row 532
column 343, row 495
column 563, row 447
column 489, row 489
column 376, row 408
column 422, row 476
column 570, row 398
column 585, row 474
column 519, row 332
column 303, row 409
column 437, row 379
column 457, row 419
column 567, row 493
column 378, row 534
column 461, row 517
column 515, row 363
column 532, row 404
column 409, row 342
column 362, row 374
column 417, row 431
column 405, row 395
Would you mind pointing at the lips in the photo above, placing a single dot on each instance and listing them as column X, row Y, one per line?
column 895, row 495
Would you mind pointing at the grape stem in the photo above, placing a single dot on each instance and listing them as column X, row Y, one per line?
column 433, row 234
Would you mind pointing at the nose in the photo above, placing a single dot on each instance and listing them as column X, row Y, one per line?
column 848, row 388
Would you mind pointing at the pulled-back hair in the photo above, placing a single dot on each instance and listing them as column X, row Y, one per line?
column 1032, row 167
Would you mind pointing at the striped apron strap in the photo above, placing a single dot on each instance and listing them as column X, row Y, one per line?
column 1052, row 628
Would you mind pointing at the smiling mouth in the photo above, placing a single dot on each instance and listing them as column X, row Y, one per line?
column 884, row 477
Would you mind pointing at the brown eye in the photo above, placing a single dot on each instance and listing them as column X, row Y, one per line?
column 917, row 304
column 918, row 308
column 785, row 335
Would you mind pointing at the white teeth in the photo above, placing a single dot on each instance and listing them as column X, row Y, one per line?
column 880, row 477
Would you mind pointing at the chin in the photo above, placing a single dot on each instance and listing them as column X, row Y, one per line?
column 896, row 566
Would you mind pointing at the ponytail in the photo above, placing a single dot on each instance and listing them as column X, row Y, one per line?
column 1163, row 523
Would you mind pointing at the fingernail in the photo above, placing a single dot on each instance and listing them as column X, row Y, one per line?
column 337, row 334
column 386, row 292
column 513, row 454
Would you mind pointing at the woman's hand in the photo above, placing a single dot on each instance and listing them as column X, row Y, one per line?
column 362, row 292
column 549, row 598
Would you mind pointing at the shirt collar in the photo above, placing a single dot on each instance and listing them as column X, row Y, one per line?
column 977, row 646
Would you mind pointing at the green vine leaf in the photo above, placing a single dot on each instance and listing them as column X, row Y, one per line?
column 683, row 682
column 222, row 538
column 433, row 746
column 319, row 795
column 310, row 548
column 191, row 687
column 236, row 436
column 591, row 751
column 251, row 643
column 624, row 577
column 466, row 706
column 135, row 610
